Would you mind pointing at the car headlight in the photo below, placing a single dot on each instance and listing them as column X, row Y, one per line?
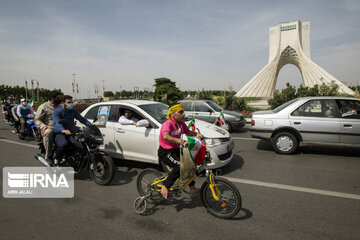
column 237, row 118
column 212, row 142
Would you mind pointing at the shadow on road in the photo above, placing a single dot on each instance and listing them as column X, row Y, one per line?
column 241, row 130
column 264, row 145
column 333, row 151
column 236, row 163
column 246, row 214
column 129, row 170
column 317, row 149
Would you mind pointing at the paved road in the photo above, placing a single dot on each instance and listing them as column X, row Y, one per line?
column 311, row 195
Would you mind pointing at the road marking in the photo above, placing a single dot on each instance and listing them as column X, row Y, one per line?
column 294, row 188
column 251, row 139
column 19, row 143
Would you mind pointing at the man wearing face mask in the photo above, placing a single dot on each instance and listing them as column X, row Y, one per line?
column 67, row 113
column 24, row 111
column 44, row 121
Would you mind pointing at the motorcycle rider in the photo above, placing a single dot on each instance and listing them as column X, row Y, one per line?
column 24, row 111
column 68, row 113
column 44, row 120
column 16, row 117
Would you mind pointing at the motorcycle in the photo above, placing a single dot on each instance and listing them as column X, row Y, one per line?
column 83, row 153
column 31, row 130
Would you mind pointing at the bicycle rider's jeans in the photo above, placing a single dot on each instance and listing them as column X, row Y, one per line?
column 171, row 157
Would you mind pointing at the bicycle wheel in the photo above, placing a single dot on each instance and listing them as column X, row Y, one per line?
column 144, row 181
column 230, row 198
column 140, row 205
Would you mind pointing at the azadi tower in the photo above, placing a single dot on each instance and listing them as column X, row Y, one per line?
column 289, row 44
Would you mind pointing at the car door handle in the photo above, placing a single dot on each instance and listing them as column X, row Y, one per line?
column 297, row 123
column 347, row 126
column 120, row 130
column 196, row 114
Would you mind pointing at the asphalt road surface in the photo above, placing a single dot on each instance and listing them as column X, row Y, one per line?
column 311, row 195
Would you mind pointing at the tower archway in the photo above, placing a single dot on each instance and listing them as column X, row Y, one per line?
column 289, row 44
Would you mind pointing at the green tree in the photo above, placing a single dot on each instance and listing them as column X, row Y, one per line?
column 282, row 96
column 166, row 91
column 108, row 94
column 233, row 103
column 329, row 89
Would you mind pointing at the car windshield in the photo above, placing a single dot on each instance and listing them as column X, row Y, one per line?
column 216, row 107
column 281, row 107
column 157, row 110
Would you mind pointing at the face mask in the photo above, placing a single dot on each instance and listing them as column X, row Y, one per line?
column 24, row 103
column 69, row 106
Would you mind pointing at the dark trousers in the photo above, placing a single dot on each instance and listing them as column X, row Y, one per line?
column 17, row 125
column 61, row 144
column 22, row 125
column 171, row 157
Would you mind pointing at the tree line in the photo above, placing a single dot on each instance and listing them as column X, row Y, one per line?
column 290, row 92
column 16, row 92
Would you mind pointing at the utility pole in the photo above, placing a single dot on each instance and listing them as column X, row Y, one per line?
column 120, row 92
column 26, row 90
column 73, row 85
column 103, row 88
column 32, row 89
column 37, row 91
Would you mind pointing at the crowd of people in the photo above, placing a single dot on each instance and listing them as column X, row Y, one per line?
column 47, row 122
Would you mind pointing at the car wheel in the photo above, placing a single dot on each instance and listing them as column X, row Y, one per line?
column 227, row 126
column 285, row 143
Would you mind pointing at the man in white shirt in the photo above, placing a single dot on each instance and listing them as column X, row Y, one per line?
column 128, row 118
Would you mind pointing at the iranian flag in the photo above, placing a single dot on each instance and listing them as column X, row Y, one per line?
column 197, row 150
column 221, row 119
column 31, row 102
column 191, row 125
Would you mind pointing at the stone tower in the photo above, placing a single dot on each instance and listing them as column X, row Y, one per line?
column 289, row 44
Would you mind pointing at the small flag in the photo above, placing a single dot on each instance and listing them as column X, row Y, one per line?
column 197, row 150
column 77, row 88
column 191, row 125
column 221, row 119
column 31, row 103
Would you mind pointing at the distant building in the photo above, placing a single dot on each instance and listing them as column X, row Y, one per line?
column 289, row 44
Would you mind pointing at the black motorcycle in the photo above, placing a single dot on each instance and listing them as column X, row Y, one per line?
column 83, row 152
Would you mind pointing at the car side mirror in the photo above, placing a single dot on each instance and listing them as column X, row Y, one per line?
column 143, row 123
column 210, row 111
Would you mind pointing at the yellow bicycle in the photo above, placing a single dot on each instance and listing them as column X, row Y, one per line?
column 219, row 196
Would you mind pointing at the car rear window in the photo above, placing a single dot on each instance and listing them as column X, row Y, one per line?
column 281, row 107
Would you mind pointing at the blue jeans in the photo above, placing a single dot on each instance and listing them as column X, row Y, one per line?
column 61, row 144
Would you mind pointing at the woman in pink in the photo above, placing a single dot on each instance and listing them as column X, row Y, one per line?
column 169, row 150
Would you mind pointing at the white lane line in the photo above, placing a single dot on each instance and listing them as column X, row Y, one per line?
column 251, row 139
column 19, row 143
column 294, row 188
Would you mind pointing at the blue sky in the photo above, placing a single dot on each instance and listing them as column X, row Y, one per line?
column 198, row 44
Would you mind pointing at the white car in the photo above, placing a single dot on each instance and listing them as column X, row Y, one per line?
column 141, row 142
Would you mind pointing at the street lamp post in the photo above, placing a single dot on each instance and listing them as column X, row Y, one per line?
column 103, row 88
column 73, row 85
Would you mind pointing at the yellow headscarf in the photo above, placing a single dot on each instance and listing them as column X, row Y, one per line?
column 173, row 109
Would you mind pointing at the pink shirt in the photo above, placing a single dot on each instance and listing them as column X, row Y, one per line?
column 173, row 129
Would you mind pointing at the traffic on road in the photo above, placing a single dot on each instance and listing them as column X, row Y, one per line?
column 312, row 194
